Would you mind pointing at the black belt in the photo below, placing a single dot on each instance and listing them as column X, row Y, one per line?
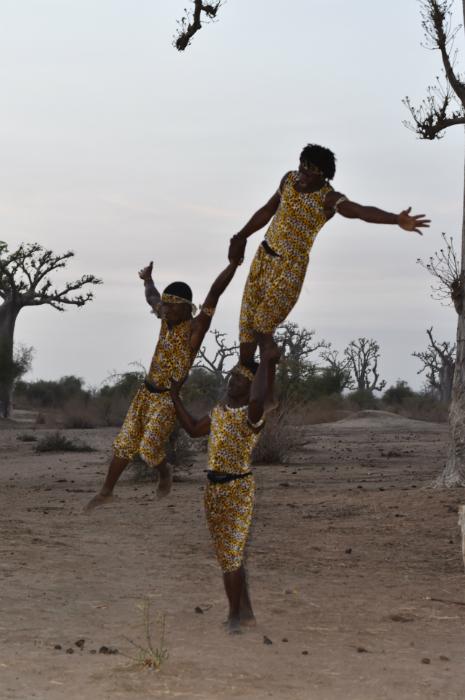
column 270, row 250
column 223, row 478
column 154, row 389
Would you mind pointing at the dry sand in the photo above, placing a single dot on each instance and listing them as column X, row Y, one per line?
column 348, row 549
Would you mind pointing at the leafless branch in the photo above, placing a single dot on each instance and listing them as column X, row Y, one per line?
column 437, row 111
column 216, row 364
column 24, row 279
column 445, row 267
column 191, row 23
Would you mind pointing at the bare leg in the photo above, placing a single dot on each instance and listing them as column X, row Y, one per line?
column 233, row 585
column 246, row 613
column 247, row 354
column 165, row 479
column 268, row 343
column 116, row 468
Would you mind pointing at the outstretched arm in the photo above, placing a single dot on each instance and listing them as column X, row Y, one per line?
column 263, row 381
column 195, row 427
column 203, row 320
column 152, row 295
column 373, row 215
column 258, row 221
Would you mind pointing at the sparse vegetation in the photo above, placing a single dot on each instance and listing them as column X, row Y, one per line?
column 26, row 437
column 149, row 656
column 57, row 442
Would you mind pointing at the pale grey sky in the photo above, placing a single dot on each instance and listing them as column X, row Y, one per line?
column 120, row 148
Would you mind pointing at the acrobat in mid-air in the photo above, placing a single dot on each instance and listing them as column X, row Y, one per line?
column 234, row 427
column 151, row 418
column 301, row 206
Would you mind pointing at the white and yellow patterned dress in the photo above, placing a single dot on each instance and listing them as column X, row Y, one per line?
column 275, row 282
column 151, row 417
column 229, row 506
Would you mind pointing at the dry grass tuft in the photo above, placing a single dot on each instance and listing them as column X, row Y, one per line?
column 149, row 656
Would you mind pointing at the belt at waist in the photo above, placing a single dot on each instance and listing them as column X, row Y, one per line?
column 269, row 250
column 223, row 477
column 154, row 389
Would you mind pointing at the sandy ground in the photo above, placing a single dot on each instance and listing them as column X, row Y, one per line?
column 349, row 551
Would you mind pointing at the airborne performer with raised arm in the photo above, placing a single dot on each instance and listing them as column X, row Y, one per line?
column 302, row 205
column 151, row 418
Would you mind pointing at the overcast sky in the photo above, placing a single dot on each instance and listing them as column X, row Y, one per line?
column 124, row 150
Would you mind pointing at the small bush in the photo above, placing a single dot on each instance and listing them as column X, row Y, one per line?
column 26, row 437
column 363, row 399
column 78, row 422
column 419, row 407
column 275, row 439
column 56, row 442
column 398, row 393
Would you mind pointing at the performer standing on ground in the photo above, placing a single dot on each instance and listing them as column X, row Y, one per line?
column 229, row 495
column 151, row 418
column 304, row 202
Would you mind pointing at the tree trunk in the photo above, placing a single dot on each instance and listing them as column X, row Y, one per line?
column 8, row 314
column 454, row 471
column 446, row 380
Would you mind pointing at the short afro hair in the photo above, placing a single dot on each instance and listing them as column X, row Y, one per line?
column 179, row 289
column 323, row 158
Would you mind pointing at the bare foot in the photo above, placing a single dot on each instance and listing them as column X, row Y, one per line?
column 165, row 479
column 99, row 500
column 233, row 625
column 248, row 620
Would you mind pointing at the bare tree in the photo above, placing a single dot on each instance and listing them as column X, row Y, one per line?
column 216, row 364
column 362, row 358
column 297, row 345
column 339, row 368
column 439, row 363
column 25, row 281
column 192, row 21
column 444, row 107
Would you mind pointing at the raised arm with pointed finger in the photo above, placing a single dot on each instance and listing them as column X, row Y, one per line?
column 152, row 295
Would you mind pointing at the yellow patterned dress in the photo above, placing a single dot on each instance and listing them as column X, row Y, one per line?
column 274, row 282
column 151, row 418
column 229, row 506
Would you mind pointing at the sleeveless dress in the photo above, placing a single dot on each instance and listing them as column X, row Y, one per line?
column 274, row 283
column 151, row 417
column 229, row 506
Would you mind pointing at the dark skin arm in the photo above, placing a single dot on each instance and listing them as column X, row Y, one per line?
column 195, row 427
column 373, row 215
column 152, row 295
column 202, row 322
column 260, row 219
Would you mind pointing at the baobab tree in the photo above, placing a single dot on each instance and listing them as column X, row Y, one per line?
column 25, row 281
column 438, row 362
column 192, row 21
column 443, row 108
column 362, row 357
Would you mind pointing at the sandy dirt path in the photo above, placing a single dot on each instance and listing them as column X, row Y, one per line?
column 348, row 549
